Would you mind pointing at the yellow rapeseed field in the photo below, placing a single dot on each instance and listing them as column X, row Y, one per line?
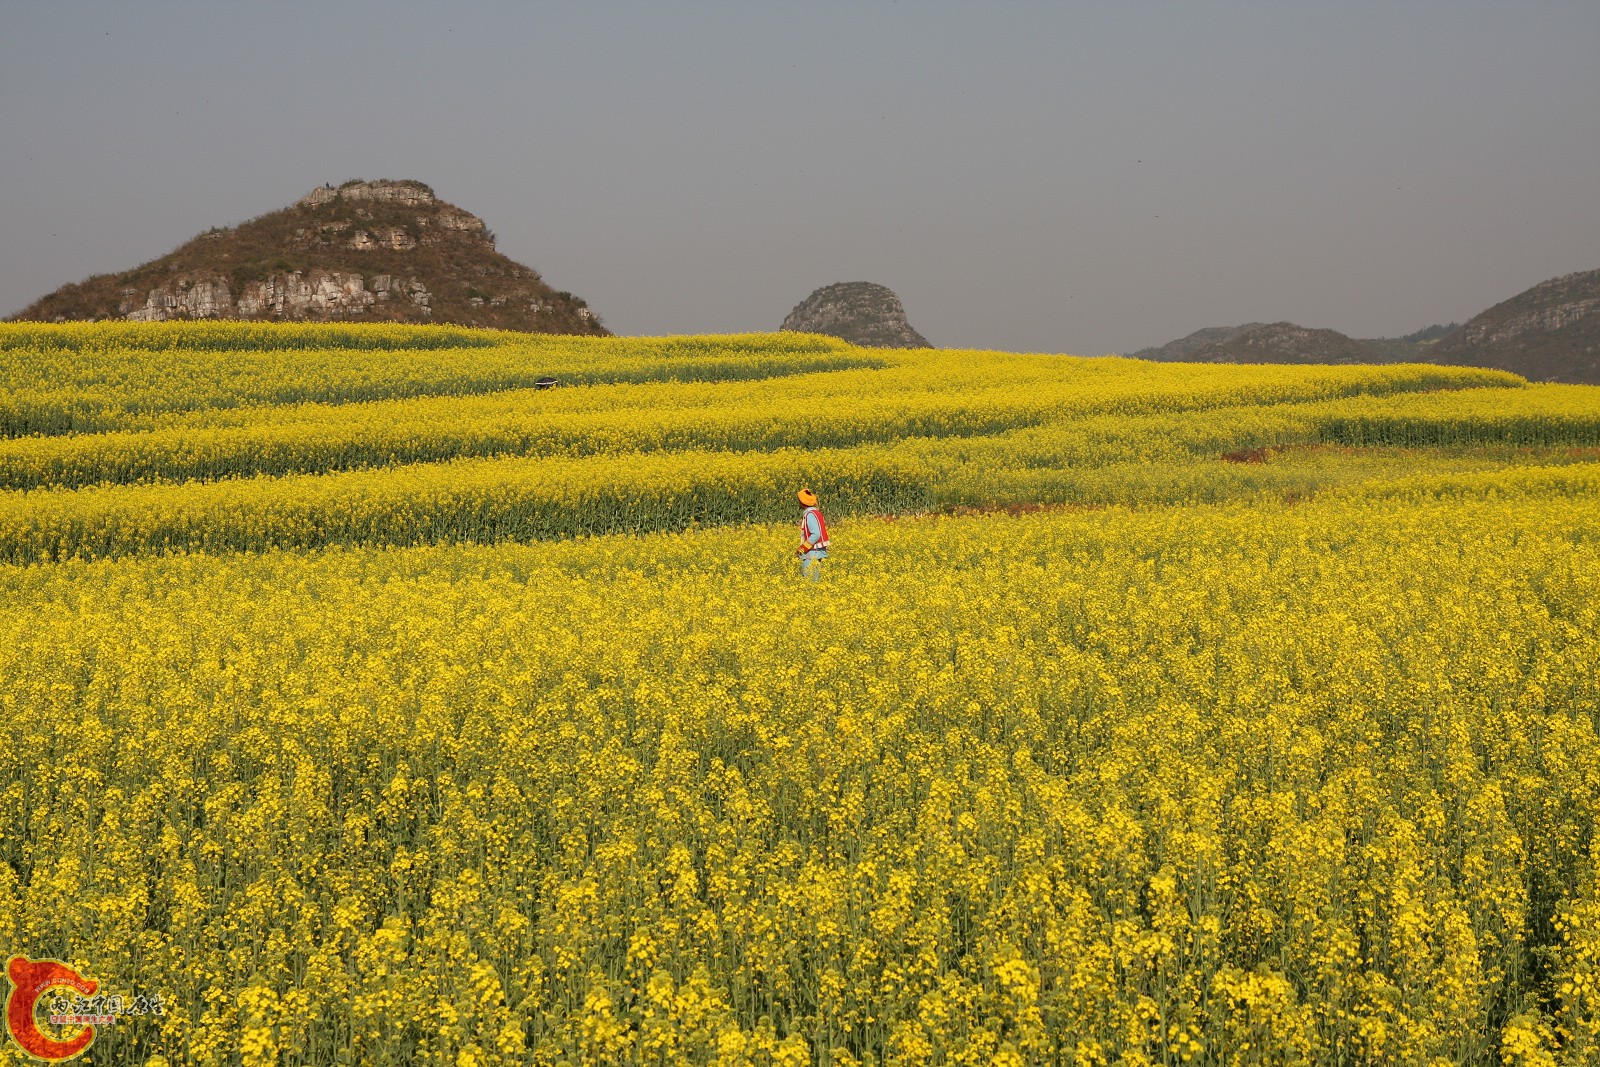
column 366, row 705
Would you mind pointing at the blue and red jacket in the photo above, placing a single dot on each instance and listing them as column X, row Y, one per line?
column 814, row 528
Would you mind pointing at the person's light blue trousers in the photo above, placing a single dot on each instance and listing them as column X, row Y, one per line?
column 811, row 563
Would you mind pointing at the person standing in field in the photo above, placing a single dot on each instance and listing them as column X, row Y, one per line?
column 813, row 536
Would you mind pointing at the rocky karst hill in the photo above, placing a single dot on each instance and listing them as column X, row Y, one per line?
column 384, row 251
column 1548, row 333
column 859, row 312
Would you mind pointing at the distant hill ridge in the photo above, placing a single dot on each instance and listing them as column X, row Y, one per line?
column 1277, row 342
column 1264, row 342
column 1184, row 347
column 1550, row 332
column 383, row 251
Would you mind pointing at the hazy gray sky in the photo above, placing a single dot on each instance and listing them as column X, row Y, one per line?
column 1057, row 177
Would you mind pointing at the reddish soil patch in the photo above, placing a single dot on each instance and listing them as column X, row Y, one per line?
column 1020, row 509
column 958, row 511
column 1266, row 453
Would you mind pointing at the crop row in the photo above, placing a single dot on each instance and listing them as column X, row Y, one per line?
column 815, row 410
column 500, row 499
column 62, row 390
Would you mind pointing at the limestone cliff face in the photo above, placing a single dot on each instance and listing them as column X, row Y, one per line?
column 318, row 294
column 859, row 312
column 364, row 251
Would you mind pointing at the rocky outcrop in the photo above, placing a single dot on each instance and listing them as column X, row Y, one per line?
column 409, row 194
column 859, row 312
column 389, row 237
column 1548, row 333
column 362, row 251
column 194, row 298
